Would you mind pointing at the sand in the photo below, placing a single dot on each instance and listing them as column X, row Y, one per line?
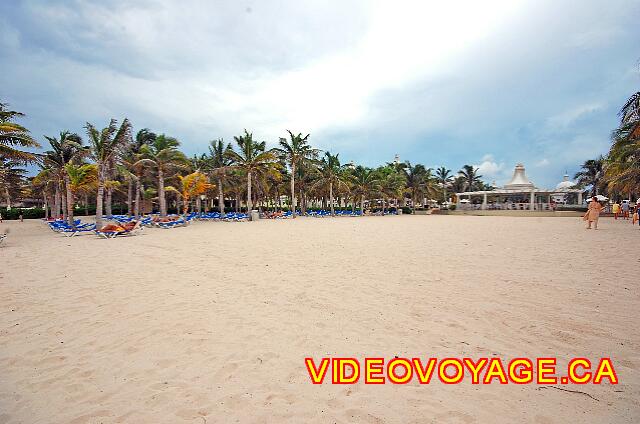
column 211, row 323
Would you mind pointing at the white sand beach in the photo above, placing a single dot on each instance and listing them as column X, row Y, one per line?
column 211, row 323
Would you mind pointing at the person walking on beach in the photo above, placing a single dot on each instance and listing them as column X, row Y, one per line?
column 625, row 209
column 593, row 213
column 616, row 210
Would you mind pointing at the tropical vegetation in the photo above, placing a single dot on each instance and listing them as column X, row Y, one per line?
column 149, row 172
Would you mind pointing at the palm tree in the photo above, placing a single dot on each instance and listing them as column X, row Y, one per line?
column 471, row 176
column 330, row 175
column 294, row 152
column 199, row 163
column 251, row 158
column 364, row 183
column 622, row 169
column 418, row 178
column 11, row 179
column 192, row 185
column 106, row 146
column 591, row 174
column 144, row 136
column 43, row 182
column 218, row 167
column 66, row 149
column 163, row 157
column 630, row 112
column 444, row 178
column 392, row 184
column 134, row 171
column 458, row 184
column 12, row 135
column 81, row 179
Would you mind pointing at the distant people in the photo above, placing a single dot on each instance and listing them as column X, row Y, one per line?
column 616, row 210
column 0, row 218
column 20, row 217
column 593, row 213
column 625, row 209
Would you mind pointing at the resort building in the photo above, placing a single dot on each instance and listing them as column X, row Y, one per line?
column 521, row 194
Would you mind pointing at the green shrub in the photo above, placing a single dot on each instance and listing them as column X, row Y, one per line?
column 14, row 213
column 406, row 210
column 572, row 208
column 452, row 207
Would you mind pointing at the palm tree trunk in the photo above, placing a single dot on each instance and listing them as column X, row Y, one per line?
column 136, row 207
column 107, row 201
column 362, row 204
column 333, row 212
column 67, row 183
column 63, row 202
column 249, row 204
column 293, row 189
column 56, row 202
column 220, row 196
column 143, row 202
column 161, row 199
column 198, row 204
column 46, row 206
column 8, row 197
column 129, row 198
column 303, row 204
column 99, row 197
column 278, row 202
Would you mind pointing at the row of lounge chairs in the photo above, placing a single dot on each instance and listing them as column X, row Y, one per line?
column 324, row 213
column 109, row 231
column 217, row 216
column 65, row 229
column 127, row 225
column 320, row 214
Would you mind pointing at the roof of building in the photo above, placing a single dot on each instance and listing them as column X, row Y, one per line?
column 565, row 183
column 519, row 180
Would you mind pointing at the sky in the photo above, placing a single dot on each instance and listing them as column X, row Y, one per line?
column 489, row 83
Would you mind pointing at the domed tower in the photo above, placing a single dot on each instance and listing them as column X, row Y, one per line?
column 565, row 184
column 519, row 181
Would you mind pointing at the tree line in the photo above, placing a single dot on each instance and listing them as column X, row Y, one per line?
column 112, row 163
column 147, row 170
column 617, row 173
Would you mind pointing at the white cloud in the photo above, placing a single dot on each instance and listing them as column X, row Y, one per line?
column 435, row 82
column 574, row 114
column 489, row 167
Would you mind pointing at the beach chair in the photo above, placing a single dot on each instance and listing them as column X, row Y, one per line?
column 74, row 231
column 137, row 229
column 172, row 224
column 146, row 222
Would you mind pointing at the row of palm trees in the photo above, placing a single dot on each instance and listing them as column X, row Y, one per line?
column 150, row 167
column 617, row 174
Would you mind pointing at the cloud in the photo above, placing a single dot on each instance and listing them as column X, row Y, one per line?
column 366, row 79
column 490, row 169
